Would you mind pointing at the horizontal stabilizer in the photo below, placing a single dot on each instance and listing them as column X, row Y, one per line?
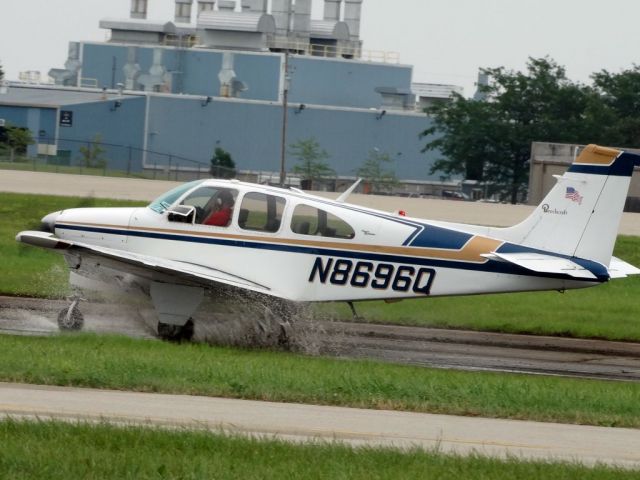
column 538, row 262
column 620, row 269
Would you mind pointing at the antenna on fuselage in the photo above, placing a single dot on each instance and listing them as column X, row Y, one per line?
column 342, row 198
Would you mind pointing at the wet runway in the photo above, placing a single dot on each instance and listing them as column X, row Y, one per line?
column 439, row 348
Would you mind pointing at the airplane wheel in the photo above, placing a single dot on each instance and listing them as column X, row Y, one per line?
column 176, row 333
column 70, row 319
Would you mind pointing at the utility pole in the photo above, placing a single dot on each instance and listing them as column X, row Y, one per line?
column 285, row 100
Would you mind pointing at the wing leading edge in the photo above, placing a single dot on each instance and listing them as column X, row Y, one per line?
column 191, row 273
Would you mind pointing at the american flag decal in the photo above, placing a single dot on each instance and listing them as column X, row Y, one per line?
column 573, row 195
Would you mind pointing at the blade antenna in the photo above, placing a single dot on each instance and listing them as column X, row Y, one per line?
column 349, row 191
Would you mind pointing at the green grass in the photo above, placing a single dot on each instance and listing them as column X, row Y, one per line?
column 609, row 311
column 55, row 450
column 144, row 365
column 29, row 271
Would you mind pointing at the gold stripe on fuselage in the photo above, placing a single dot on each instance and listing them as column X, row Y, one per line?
column 470, row 252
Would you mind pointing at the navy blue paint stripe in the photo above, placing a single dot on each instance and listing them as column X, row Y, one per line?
column 489, row 266
column 622, row 166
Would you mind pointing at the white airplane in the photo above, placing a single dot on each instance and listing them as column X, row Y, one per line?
column 224, row 236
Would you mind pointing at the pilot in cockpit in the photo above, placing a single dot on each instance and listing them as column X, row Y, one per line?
column 220, row 215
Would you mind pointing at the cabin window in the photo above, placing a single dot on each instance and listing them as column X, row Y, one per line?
column 214, row 205
column 164, row 201
column 261, row 212
column 308, row 220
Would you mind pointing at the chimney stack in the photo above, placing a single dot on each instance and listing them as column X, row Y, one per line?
column 183, row 11
column 139, row 9
column 352, row 12
column 332, row 10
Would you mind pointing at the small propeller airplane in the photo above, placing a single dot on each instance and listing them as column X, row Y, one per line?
column 222, row 237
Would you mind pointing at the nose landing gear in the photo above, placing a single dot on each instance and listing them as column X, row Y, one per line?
column 70, row 319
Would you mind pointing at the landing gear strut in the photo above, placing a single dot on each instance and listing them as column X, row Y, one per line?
column 70, row 319
column 176, row 333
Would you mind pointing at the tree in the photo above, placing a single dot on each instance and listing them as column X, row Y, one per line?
column 1, row 73
column 377, row 171
column 490, row 140
column 18, row 139
column 222, row 165
column 312, row 165
column 92, row 153
column 620, row 94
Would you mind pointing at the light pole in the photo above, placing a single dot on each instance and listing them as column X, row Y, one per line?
column 285, row 100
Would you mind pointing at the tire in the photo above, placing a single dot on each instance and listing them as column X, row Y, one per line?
column 71, row 319
column 176, row 333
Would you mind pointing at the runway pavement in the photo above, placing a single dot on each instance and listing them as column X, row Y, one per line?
column 429, row 347
column 146, row 190
column 296, row 422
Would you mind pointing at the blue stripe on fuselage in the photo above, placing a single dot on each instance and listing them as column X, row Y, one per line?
column 622, row 166
column 489, row 266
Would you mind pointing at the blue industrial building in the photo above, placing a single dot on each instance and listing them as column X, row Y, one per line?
column 166, row 95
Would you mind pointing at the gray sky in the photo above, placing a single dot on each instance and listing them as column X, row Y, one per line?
column 446, row 40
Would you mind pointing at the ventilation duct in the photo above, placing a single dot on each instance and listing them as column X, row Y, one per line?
column 131, row 69
column 226, row 5
column 352, row 13
column 183, row 11
column 332, row 10
column 157, row 79
column 69, row 75
column 302, row 18
column 230, row 86
column 205, row 6
column 139, row 9
column 281, row 10
column 259, row 6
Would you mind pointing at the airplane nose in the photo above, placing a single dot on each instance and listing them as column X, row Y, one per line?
column 48, row 222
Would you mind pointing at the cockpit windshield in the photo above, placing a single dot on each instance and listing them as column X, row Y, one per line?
column 167, row 199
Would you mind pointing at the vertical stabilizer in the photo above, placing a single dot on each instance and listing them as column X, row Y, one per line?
column 581, row 214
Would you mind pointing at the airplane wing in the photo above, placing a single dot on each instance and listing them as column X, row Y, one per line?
column 144, row 265
column 539, row 262
column 620, row 269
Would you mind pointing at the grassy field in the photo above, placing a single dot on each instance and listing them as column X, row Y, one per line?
column 609, row 311
column 147, row 365
column 61, row 451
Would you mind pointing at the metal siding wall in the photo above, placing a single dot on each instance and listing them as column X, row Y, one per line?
column 97, row 63
column 47, row 125
column 16, row 116
column 344, row 83
column 314, row 80
column 251, row 133
column 36, row 119
column 122, row 127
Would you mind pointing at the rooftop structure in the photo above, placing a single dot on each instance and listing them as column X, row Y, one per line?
column 214, row 76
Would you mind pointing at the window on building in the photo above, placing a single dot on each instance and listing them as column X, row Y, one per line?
column 261, row 212
column 307, row 220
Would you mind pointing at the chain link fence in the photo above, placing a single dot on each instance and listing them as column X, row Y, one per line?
column 95, row 157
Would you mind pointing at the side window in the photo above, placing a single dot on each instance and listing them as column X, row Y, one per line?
column 261, row 212
column 308, row 220
column 214, row 206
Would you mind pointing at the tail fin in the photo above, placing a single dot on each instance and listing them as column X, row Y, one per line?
column 581, row 214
